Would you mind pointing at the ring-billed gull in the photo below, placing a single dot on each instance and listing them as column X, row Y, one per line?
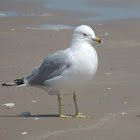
column 66, row 71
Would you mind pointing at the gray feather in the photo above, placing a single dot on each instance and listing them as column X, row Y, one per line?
column 52, row 66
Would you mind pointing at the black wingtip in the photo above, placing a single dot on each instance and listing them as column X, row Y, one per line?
column 19, row 81
column 4, row 84
column 15, row 83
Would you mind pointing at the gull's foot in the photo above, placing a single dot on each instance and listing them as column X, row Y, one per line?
column 82, row 116
column 65, row 116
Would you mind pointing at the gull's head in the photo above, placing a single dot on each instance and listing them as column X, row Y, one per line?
column 84, row 33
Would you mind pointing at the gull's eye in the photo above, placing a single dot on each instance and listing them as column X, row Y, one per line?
column 84, row 34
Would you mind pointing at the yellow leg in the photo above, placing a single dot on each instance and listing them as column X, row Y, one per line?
column 60, row 114
column 78, row 115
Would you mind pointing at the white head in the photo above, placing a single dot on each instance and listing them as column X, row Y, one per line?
column 84, row 33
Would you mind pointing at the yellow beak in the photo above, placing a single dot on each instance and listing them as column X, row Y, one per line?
column 98, row 40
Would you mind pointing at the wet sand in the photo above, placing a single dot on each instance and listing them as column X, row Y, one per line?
column 112, row 99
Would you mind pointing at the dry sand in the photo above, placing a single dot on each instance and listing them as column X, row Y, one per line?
column 113, row 98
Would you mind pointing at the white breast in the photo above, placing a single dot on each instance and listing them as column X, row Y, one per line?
column 84, row 65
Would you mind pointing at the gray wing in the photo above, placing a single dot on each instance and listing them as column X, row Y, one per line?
column 52, row 66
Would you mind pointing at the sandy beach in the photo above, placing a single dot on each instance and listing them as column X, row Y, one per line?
column 112, row 99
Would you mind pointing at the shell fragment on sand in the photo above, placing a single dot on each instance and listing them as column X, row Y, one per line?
column 24, row 133
column 106, row 33
column 36, row 118
column 125, row 103
column 33, row 101
column 124, row 113
column 8, row 105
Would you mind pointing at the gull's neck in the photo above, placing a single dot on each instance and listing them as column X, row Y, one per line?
column 76, row 43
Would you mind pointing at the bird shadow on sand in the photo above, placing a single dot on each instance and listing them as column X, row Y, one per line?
column 35, row 116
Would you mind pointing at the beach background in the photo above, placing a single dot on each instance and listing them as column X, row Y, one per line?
column 32, row 29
